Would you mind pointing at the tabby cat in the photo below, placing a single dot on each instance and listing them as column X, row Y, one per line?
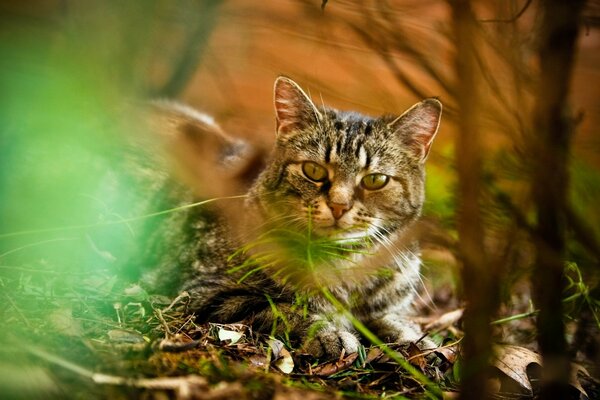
column 324, row 228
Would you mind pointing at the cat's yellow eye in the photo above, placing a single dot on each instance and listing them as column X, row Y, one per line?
column 374, row 181
column 314, row 171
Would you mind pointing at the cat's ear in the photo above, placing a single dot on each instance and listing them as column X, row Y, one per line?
column 198, row 151
column 418, row 126
column 293, row 108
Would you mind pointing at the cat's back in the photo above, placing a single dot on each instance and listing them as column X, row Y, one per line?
column 175, row 174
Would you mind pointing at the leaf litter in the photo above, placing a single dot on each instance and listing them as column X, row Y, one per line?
column 135, row 341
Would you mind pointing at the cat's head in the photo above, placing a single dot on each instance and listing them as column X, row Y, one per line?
column 343, row 174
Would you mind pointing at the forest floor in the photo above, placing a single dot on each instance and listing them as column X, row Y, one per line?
column 83, row 338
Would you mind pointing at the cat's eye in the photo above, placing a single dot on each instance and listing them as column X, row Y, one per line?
column 314, row 171
column 374, row 181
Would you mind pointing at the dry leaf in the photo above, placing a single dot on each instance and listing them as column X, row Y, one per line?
column 177, row 343
column 447, row 353
column 374, row 355
column 232, row 336
column 445, row 320
column 415, row 356
column 283, row 358
column 513, row 361
column 276, row 346
column 125, row 336
column 333, row 367
column 285, row 363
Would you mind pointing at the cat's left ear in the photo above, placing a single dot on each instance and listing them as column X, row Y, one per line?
column 294, row 110
column 418, row 126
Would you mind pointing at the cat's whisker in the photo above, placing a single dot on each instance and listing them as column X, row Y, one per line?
column 278, row 220
column 399, row 259
column 408, row 256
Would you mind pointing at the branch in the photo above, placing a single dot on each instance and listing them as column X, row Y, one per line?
column 383, row 52
column 192, row 52
column 511, row 19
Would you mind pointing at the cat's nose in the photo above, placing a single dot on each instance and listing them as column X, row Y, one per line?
column 338, row 209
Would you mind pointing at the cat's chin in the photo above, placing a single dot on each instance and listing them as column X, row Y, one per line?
column 342, row 235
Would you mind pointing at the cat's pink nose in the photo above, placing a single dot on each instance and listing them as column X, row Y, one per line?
column 338, row 209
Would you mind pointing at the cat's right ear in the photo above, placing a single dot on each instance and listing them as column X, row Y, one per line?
column 294, row 110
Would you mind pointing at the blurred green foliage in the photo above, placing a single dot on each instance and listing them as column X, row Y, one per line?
column 68, row 75
column 67, row 79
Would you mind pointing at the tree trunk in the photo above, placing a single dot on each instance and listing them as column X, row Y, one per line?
column 549, row 151
column 478, row 288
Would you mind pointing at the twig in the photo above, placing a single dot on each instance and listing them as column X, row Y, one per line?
column 511, row 19
column 192, row 51
column 18, row 310
column 181, row 295
column 391, row 27
column 430, row 351
column 160, row 317
column 184, row 385
column 383, row 52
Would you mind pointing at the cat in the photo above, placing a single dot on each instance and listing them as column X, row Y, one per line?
column 322, row 236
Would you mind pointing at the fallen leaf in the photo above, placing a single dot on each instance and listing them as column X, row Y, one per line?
column 285, row 363
column 333, row 367
column 177, row 343
column 232, row 336
column 445, row 320
column 276, row 346
column 125, row 336
column 447, row 353
column 415, row 356
column 374, row 355
column 513, row 361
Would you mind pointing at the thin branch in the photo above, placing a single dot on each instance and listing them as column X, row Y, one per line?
column 382, row 51
column 511, row 19
column 192, row 51
column 393, row 29
column 184, row 386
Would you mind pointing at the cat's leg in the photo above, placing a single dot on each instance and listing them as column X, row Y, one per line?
column 317, row 335
column 329, row 339
column 393, row 328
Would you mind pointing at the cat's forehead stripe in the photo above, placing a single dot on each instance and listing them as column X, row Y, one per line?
column 328, row 148
column 362, row 157
column 348, row 137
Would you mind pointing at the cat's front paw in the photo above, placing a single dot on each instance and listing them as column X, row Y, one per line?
column 328, row 343
column 401, row 331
